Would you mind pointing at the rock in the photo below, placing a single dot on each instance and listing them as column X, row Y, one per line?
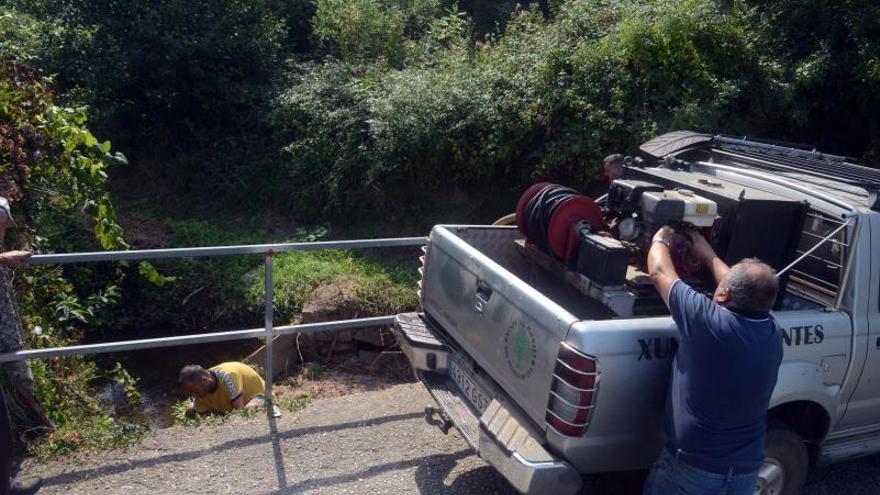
column 284, row 355
column 330, row 301
column 334, row 300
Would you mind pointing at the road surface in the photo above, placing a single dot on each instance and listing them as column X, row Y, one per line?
column 364, row 443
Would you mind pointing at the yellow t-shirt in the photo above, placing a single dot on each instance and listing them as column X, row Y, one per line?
column 233, row 379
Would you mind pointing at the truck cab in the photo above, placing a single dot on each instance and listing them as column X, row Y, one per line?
column 554, row 362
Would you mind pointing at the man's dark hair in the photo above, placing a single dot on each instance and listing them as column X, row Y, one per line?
column 615, row 159
column 190, row 373
column 753, row 286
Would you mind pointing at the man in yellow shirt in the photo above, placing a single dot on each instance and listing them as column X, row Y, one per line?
column 222, row 388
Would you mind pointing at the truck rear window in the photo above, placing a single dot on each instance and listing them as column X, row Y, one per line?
column 817, row 277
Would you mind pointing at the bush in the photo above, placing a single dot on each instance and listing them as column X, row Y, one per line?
column 54, row 171
column 667, row 66
column 297, row 16
column 367, row 30
column 827, row 58
column 326, row 110
column 381, row 98
column 23, row 37
column 174, row 81
column 229, row 291
column 547, row 99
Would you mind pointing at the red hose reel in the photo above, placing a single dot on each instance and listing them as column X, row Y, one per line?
column 560, row 235
column 548, row 216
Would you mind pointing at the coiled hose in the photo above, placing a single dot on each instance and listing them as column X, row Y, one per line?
column 540, row 209
column 547, row 215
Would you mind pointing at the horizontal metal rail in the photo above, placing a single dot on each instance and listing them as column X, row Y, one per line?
column 819, row 258
column 830, row 284
column 198, row 338
column 154, row 254
column 830, row 241
column 268, row 332
column 827, row 219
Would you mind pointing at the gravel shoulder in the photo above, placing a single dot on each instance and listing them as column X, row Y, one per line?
column 373, row 442
column 367, row 443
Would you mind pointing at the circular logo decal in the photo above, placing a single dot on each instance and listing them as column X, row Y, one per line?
column 520, row 349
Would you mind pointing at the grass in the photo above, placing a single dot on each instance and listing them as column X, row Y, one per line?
column 180, row 418
column 235, row 284
column 379, row 287
column 295, row 404
column 89, row 434
column 83, row 422
column 292, row 405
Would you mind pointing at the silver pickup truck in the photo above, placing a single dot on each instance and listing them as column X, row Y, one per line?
column 554, row 368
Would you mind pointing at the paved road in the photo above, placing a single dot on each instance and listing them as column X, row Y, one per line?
column 366, row 443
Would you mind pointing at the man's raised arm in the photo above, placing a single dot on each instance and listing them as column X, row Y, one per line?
column 701, row 249
column 660, row 267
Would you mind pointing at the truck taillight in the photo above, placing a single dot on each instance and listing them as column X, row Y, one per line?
column 573, row 392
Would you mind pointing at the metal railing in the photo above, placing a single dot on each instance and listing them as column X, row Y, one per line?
column 269, row 331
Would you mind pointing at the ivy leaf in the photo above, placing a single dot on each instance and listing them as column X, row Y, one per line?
column 149, row 272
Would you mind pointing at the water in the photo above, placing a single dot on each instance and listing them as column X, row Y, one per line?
column 153, row 409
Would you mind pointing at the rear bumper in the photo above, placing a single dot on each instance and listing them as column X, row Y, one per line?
column 501, row 435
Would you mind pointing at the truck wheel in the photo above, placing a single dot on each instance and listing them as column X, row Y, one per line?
column 785, row 468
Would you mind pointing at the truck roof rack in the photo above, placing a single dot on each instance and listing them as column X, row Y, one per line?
column 773, row 156
column 811, row 162
column 778, row 158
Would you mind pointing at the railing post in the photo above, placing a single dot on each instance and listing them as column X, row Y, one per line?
column 270, row 324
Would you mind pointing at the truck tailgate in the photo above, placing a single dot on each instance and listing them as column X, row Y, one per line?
column 510, row 329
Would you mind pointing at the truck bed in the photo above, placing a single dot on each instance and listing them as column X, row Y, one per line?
column 499, row 244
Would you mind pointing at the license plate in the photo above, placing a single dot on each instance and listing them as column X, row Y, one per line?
column 473, row 392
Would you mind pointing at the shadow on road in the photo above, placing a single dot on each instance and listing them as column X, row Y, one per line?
column 623, row 483
column 277, row 455
column 85, row 474
column 444, row 473
column 859, row 476
column 375, row 471
column 431, row 478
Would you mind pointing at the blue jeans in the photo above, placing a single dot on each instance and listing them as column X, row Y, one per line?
column 671, row 476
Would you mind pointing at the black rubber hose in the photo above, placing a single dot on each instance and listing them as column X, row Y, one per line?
column 539, row 210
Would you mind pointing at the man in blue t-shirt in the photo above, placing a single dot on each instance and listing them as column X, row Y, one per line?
column 722, row 376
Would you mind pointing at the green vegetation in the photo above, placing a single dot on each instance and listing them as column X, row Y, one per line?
column 188, row 76
column 230, row 290
column 549, row 98
column 55, row 171
column 371, row 30
column 296, row 404
column 332, row 110
column 83, row 423
column 291, row 405
column 178, row 413
column 361, row 117
column 380, row 289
